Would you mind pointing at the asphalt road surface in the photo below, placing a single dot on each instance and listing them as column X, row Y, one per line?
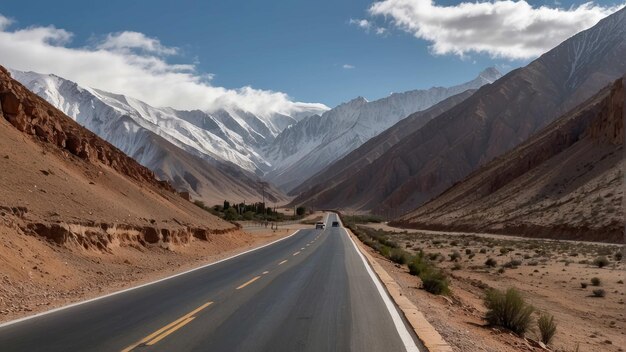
column 309, row 292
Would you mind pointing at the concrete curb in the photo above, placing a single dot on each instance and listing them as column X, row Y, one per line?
column 423, row 329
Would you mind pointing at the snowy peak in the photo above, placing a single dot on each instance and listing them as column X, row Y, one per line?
column 317, row 141
column 490, row 74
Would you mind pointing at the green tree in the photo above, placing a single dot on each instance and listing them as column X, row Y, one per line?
column 230, row 214
column 300, row 211
column 226, row 205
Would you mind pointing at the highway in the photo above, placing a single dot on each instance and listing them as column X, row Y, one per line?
column 309, row 292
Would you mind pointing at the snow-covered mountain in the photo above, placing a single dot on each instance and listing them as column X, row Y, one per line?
column 230, row 135
column 315, row 142
column 281, row 148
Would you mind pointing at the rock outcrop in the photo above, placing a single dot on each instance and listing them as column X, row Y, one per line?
column 36, row 117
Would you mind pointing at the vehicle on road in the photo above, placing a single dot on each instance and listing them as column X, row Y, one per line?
column 335, row 223
column 320, row 225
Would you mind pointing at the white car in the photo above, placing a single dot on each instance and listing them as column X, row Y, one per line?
column 320, row 225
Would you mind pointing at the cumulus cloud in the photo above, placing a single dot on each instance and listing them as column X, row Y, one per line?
column 503, row 29
column 133, row 64
column 348, row 66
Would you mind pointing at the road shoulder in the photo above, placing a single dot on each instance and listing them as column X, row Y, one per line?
column 422, row 328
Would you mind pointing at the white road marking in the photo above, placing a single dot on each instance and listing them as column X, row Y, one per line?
column 405, row 336
column 140, row 286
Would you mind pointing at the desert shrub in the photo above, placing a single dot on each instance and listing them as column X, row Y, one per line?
column 583, row 284
column 383, row 250
column 468, row 251
column 455, row 255
column 501, row 271
column 490, row 262
column 457, row 266
column 454, row 243
column 435, row 282
column 398, row 256
column 596, row 281
column 533, row 263
column 598, row 292
column 508, row 310
column 504, row 250
column 471, row 255
column 433, row 256
column 601, row 262
column 547, row 327
column 418, row 264
column 483, row 250
column 618, row 256
column 512, row 263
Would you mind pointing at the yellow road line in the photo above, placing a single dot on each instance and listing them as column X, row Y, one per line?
column 295, row 254
column 283, row 262
column 248, row 283
column 173, row 325
column 168, row 332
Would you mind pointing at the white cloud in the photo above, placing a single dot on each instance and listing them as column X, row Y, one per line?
column 348, row 66
column 503, row 28
column 367, row 26
column 127, row 40
column 133, row 64
column 4, row 22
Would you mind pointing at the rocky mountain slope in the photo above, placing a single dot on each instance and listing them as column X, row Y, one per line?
column 371, row 150
column 566, row 181
column 64, row 183
column 212, row 156
column 315, row 142
column 492, row 121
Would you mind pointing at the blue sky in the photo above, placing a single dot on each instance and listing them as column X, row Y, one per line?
column 300, row 48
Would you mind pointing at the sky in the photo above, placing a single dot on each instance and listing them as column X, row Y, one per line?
column 273, row 54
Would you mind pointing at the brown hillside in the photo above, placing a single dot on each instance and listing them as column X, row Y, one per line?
column 63, row 182
column 494, row 120
column 565, row 182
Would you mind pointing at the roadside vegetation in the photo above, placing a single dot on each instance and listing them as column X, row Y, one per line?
column 506, row 273
column 434, row 280
column 250, row 212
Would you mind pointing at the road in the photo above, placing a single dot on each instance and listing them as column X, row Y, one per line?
column 309, row 292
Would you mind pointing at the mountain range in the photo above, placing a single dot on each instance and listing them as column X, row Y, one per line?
column 490, row 122
column 317, row 141
column 225, row 153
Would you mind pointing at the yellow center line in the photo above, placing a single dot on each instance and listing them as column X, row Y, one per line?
column 249, row 282
column 283, row 262
column 168, row 332
column 168, row 329
column 295, row 254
